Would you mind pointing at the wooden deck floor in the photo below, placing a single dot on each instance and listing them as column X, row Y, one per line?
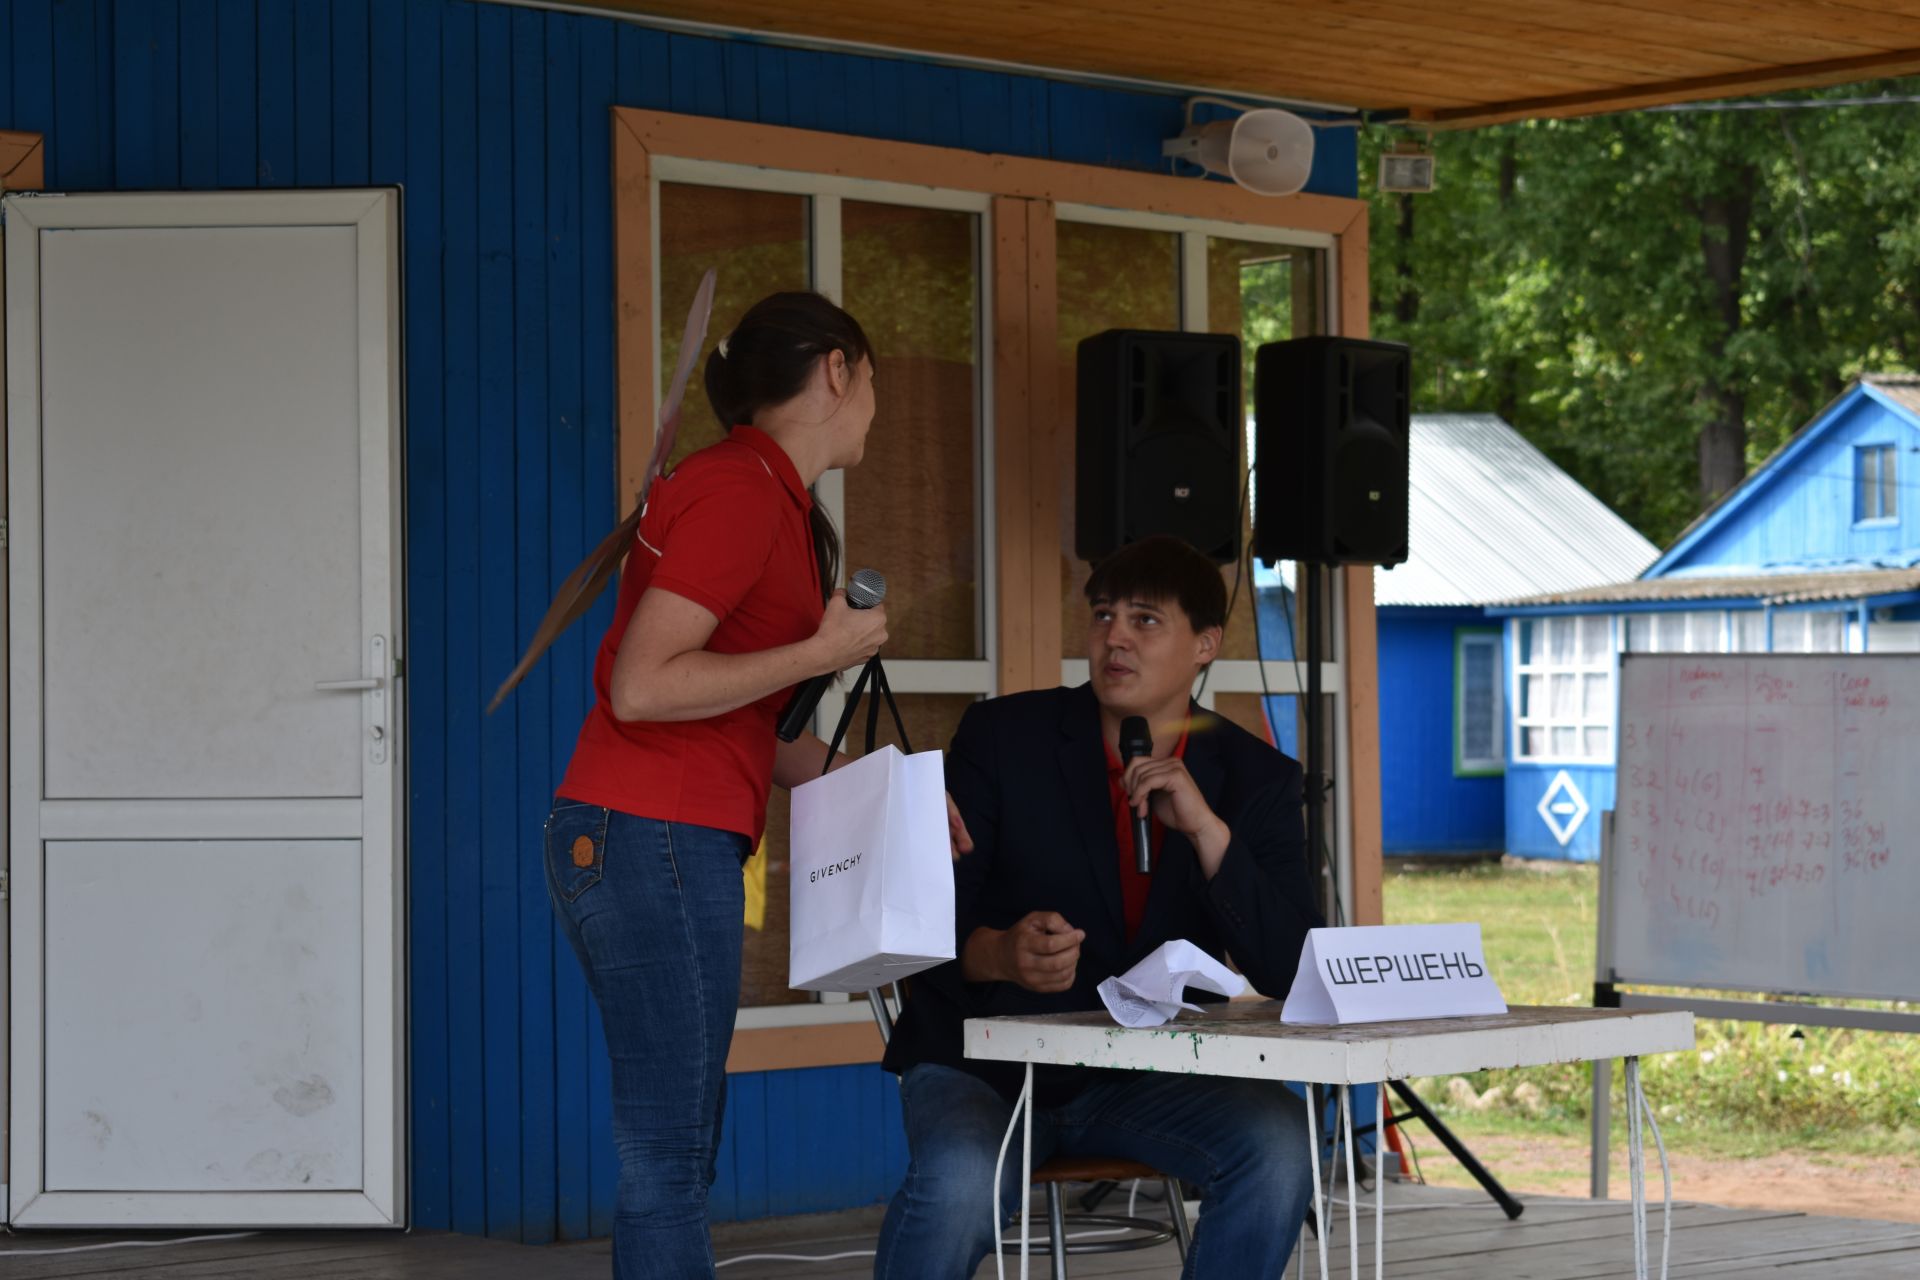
column 1448, row 1235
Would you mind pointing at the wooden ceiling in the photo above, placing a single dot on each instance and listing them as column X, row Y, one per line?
column 1454, row 63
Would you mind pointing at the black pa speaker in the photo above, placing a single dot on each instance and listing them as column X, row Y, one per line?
column 1330, row 479
column 1157, row 441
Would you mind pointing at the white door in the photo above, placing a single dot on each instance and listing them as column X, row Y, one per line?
column 204, row 788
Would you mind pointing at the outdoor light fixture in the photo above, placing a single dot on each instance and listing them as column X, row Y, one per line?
column 1266, row 150
column 1406, row 169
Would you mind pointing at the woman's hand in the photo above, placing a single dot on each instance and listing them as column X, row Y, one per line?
column 847, row 636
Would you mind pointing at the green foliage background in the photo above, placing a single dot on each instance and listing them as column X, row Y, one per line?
column 1616, row 286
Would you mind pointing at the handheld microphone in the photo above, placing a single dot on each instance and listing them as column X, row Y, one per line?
column 1135, row 740
column 866, row 589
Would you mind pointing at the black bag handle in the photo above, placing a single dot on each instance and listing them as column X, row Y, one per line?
column 878, row 674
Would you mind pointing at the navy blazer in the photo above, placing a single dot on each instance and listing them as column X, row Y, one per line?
column 1029, row 773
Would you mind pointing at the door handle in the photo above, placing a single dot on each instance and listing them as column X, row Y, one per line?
column 374, row 686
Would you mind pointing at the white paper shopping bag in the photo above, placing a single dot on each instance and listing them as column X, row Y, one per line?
column 872, row 884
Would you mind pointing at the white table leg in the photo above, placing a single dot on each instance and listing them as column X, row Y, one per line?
column 1026, row 1172
column 1379, row 1180
column 1637, row 1168
column 1313, row 1160
column 1353, row 1186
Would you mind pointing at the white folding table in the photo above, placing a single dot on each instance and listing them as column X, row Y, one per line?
column 1247, row 1038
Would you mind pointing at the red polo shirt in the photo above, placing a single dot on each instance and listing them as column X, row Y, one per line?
column 727, row 530
column 1133, row 885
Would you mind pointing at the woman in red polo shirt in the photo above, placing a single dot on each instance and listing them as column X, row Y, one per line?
column 720, row 614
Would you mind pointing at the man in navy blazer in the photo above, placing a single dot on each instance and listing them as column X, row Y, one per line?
column 1049, row 904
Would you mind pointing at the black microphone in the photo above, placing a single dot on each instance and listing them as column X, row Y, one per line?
column 866, row 589
column 1135, row 740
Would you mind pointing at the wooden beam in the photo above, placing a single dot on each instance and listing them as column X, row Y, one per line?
column 23, row 161
column 833, row 1044
column 1045, row 433
column 1012, row 445
column 1360, row 665
column 633, row 308
column 1804, row 75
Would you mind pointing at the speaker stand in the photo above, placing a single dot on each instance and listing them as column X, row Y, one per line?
column 1320, row 859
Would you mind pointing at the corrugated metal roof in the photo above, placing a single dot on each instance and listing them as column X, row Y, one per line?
column 1770, row 588
column 1901, row 387
column 1491, row 518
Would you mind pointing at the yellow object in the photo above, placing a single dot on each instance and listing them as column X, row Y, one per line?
column 755, row 879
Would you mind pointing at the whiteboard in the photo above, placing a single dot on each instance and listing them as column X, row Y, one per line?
column 1766, row 832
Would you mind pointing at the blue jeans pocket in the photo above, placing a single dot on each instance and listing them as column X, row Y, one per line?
column 576, row 847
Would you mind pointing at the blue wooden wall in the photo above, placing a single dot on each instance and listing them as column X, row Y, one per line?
column 1424, row 807
column 494, row 119
column 1801, row 508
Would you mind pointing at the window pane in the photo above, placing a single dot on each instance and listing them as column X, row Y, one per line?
column 1263, row 293
column 1670, row 632
column 1533, row 696
column 1531, row 639
column 911, row 277
column 1595, row 746
column 1749, row 632
column 1790, row 632
column 1640, row 633
column 1533, row 743
column 1566, row 742
column 758, row 242
column 1889, row 489
column 1479, row 680
column 1565, row 706
column 1593, row 641
column 1866, row 463
column 1595, row 697
column 1559, row 640
column 1826, row 633
column 1109, row 278
column 1703, row 632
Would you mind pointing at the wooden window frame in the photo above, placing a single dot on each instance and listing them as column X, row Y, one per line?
column 1024, row 425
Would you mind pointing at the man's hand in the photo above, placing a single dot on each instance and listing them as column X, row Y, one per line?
column 958, row 840
column 1164, row 783
column 1041, row 953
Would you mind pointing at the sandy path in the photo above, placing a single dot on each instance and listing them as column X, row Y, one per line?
column 1885, row 1188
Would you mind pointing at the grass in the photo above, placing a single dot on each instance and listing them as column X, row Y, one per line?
column 1747, row 1089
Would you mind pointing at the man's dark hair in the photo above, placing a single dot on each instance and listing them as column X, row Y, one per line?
column 1163, row 568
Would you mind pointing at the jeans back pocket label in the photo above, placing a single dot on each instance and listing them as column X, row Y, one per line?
column 583, row 851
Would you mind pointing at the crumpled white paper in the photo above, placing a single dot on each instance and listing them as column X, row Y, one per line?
column 1150, row 993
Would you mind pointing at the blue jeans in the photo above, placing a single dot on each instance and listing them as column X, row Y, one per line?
column 653, row 909
column 1242, row 1142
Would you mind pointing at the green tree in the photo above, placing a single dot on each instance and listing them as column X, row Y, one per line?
column 1657, row 299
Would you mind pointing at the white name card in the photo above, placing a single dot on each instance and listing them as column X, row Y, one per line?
column 1391, row 973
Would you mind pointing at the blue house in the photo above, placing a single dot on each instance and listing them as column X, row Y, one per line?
column 1491, row 517
column 1818, row 551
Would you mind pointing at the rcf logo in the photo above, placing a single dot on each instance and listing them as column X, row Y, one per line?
column 834, row 868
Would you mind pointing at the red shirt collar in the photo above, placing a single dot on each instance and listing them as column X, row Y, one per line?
column 777, row 462
column 1116, row 766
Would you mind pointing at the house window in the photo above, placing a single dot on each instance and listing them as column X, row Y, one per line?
column 1810, row 631
column 1565, row 684
column 1477, row 712
column 1749, row 631
column 1873, row 470
column 1691, row 632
